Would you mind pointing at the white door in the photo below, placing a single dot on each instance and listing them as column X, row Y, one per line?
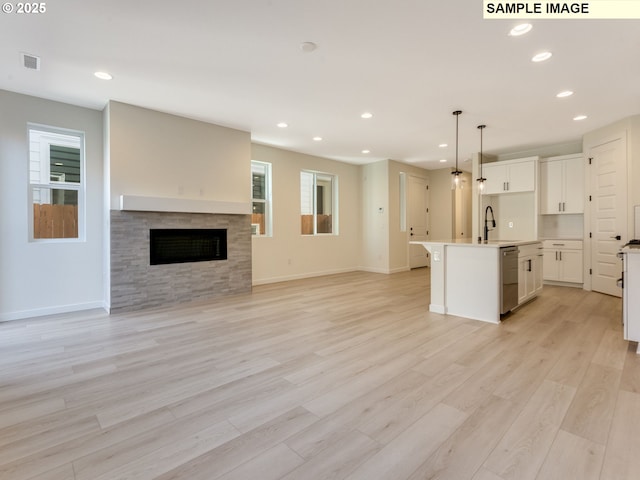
column 418, row 220
column 608, row 213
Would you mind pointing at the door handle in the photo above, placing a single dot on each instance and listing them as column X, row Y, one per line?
column 617, row 237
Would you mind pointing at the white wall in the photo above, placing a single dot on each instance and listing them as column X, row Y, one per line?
column 631, row 127
column 161, row 155
column 39, row 278
column 399, row 240
column 515, row 215
column 441, row 204
column 375, row 217
column 288, row 254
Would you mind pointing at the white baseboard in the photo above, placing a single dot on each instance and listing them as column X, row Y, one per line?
column 40, row 312
column 300, row 276
column 286, row 278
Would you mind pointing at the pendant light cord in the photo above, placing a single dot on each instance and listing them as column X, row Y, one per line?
column 481, row 179
column 457, row 114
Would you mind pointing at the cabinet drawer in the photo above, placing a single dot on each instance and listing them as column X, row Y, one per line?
column 562, row 244
column 529, row 249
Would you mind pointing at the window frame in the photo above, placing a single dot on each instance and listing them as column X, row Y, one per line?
column 267, row 201
column 334, row 202
column 47, row 136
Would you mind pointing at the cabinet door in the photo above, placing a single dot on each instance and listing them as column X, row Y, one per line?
column 550, row 265
column 521, row 177
column 522, row 278
column 526, row 278
column 538, row 272
column 571, row 265
column 573, row 183
column 551, row 185
column 496, row 176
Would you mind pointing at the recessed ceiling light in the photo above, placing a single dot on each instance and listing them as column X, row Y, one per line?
column 366, row 115
column 103, row 75
column 580, row 117
column 366, row 151
column 443, row 160
column 317, row 139
column 520, row 29
column 541, row 57
column 283, row 125
column 308, row 47
column 443, row 145
column 566, row 93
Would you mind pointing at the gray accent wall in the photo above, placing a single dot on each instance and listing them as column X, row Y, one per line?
column 155, row 154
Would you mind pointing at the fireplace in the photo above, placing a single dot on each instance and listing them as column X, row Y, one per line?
column 183, row 245
column 136, row 283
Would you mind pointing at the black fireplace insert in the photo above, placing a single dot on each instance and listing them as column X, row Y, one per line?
column 182, row 245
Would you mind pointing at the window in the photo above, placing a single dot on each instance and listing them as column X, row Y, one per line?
column 261, row 198
column 318, row 201
column 56, row 183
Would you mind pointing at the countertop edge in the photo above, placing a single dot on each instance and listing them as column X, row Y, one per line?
column 490, row 244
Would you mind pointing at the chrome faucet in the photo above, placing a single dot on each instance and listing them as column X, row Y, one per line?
column 486, row 222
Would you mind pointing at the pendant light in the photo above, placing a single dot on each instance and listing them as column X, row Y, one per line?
column 481, row 179
column 455, row 175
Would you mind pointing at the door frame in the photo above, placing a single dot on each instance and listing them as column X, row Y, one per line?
column 407, row 213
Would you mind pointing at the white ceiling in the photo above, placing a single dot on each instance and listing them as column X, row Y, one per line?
column 239, row 63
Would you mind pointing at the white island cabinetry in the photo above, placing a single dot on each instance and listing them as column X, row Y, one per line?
column 631, row 294
column 530, row 267
column 466, row 278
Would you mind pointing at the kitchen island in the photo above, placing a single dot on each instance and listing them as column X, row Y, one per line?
column 466, row 276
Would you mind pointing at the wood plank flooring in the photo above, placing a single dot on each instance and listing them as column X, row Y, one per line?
column 340, row 377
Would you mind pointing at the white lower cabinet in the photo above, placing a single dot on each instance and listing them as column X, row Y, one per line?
column 563, row 261
column 530, row 270
column 630, row 297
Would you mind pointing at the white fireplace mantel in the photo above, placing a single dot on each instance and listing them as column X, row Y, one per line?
column 182, row 205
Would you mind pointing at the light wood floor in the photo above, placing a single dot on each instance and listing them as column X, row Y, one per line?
column 341, row 377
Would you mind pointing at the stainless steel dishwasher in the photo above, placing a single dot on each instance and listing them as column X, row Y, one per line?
column 508, row 278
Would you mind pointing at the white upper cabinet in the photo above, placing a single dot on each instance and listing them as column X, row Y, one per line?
column 510, row 176
column 562, row 185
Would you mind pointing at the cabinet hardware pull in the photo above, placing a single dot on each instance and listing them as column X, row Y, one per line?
column 560, row 256
column 556, row 255
column 559, row 206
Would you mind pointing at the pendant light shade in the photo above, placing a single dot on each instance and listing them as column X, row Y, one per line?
column 481, row 179
column 455, row 175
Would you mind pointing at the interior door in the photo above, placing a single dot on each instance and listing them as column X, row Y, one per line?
column 608, row 213
column 418, row 220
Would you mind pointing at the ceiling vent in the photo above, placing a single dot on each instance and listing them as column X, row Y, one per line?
column 30, row 61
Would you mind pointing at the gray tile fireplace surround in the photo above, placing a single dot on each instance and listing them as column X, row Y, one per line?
column 135, row 284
